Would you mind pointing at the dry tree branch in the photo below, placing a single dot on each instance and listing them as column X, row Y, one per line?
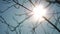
column 51, row 24
column 8, row 1
column 34, row 27
column 53, row 2
column 21, row 23
column 21, row 5
column 21, row 14
column 17, row 6
column 4, row 21
column 20, row 29
column 57, row 1
column 7, row 9
column 31, row 2
column 43, row 17
column 50, row 2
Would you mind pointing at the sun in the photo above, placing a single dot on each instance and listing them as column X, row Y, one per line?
column 39, row 11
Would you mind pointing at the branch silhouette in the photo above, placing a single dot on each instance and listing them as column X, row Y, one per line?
column 21, row 23
column 22, row 5
column 7, row 9
column 34, row 27
column 52, row 2
column 43, row 17
column 7, row 1
column 4, row 21
column 31, row 2
column 51, row 24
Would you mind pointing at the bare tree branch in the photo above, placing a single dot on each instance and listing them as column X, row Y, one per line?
column 31, row 2
column 7, row 1
column 21, row 23
column 22, row 5
column 51, row 24
column 7, row 9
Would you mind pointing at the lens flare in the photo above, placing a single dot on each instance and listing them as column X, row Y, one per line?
column 39, row 11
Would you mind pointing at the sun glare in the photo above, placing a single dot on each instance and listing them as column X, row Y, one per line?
column 39, row 11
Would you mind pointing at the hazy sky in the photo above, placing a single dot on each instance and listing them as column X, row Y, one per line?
column 44, row 28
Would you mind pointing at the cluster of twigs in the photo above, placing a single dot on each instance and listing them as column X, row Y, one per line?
column 19, row 24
